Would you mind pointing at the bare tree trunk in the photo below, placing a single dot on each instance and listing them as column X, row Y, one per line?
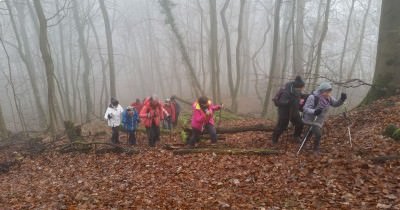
column 320, row 42
column 86, row 60
column 11, row 81
column 110, row 50
column 104, row 88
column 255, row 62
column 245, row 64
column 139, row 70
column 273, row 70
column 387, row 74
column 360, row 43
column 155, row 57
column 311, row 57
column 3, row 126
column 298, row 45
column 214, row 49
column 74, row 81
column 24, row 51
column 346, row 38
column 286, row 44
column 166, row 6
column 238, row 55
column 202, row 27
column 228, row 52
column 65, row 73
column 48, row 61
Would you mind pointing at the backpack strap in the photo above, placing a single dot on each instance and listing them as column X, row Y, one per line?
column 316, row 101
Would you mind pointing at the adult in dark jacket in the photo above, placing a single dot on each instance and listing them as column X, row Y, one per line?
column 177, row 107
column 288, row 104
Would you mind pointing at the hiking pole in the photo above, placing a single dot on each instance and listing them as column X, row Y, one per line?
column 304, row 140
column 170, row 130
column 348, row 124
column 306, row 136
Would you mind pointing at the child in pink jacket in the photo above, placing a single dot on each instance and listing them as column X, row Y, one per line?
column 203, row 119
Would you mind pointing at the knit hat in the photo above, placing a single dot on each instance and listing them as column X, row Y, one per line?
column 324, row 86
column 114, row 101
column 298, row 82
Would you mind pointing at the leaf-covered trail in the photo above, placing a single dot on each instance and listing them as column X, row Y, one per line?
column 341, row 178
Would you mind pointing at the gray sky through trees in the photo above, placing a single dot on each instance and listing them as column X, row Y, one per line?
column 149, row 58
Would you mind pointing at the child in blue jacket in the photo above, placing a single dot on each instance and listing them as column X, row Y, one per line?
column 130, row 121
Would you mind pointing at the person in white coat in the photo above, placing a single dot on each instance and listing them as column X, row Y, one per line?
column 113, row 116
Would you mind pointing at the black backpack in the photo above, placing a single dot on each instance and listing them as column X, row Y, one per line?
column 304, row 99
column 277, row 96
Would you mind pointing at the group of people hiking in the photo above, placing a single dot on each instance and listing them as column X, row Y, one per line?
column 152, row 112
column 291, row 101
column 293, row 106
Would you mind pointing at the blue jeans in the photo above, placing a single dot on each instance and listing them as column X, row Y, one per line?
column 195, row 137
column 131, row 137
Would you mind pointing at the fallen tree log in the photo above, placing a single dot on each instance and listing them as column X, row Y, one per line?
column 383, row 159
column 226, row 151
column 230, row 130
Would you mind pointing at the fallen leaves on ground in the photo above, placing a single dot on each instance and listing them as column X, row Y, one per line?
column 340, row 178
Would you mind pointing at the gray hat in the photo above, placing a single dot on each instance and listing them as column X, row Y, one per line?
column 324, row 86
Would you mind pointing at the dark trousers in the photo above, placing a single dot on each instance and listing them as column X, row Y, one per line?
column 176, row 120
column 196, row 134
column 115, row 135
column 131, row 137
column 153, row 134
column 317, row 132
column 167, row 123
column 284, row 116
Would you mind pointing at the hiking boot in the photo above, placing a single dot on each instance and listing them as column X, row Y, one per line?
column 275, row 138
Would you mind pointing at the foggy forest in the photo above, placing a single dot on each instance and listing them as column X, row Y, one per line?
column 72, row 70
column 234, row 51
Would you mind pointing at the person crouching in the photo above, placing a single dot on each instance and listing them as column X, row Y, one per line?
column 203, row 119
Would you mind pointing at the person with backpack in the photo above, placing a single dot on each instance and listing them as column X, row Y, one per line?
column 177, row 108
column 130, row 121
column 168, row 121
column 152, row 114
column 315, row 114
column 113, row 117
column 288, row 101
column 137, row 105
column 203, row 119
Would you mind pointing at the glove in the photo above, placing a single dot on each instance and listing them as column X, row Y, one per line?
column 343, row 97
column 317, row 111
column 208, row 112
column 148, row 115
column 109, row 116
